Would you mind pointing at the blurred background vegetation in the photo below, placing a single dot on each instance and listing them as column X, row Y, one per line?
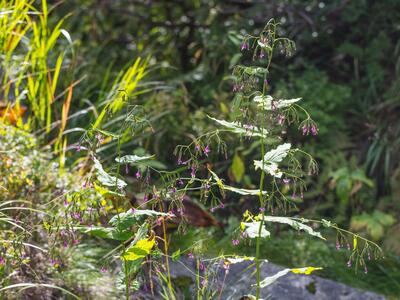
column 346, row 68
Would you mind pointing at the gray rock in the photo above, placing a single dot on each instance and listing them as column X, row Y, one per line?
column 240, row 279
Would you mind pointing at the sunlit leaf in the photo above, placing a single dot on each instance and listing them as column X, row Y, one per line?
column 271, row 279
column 252, row 229
column 295, row 224
column 140, row 250
column 133, row 159
column 105, row 178
column 268, row 103
column 271, row 160
column 236, row 127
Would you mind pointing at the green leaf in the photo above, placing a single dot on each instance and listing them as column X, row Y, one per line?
column 176, row 255
column 268, row 103
column 252, row 229
column 271, row 160
column 295, row 224
column 125, row 220
column 271, row 279
column 140, row 250
column 132, row 159
column 237, row 168
column 236, row 127
column 105, row 178
column 108, row 233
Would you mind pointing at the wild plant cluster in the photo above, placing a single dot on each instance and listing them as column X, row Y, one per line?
column 136, row 201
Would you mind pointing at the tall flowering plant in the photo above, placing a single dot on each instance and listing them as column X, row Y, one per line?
column 164, row 195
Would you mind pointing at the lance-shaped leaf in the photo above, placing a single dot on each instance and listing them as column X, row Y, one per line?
column 105, row 178
column 223, row 187
column 140, row 250
column 108, row 233
column 245, row 192
column 132, row 159
column 126, row 219
column 295, row 224
column 239, row 259
column 252, row 229
column 268, row 103
column 236, row 127
column 271, row 279
column 271, row 160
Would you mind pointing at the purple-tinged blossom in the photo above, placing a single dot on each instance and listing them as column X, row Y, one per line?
column 235, row 242
column 78, row 148
column 103, row 269
column 262, row 54
column 222, row 205
column 190, row 255
column 262, row 209
column 2, row 261
column 337, row 245
column 206, row 150
column 305, row 130
column 244, row 46
column 202, row 266
column 281, row 119
column 286, row 180
column 138, row 175
column 197, row 147
column 314, row 130
column 193, row 170
column 145, row 198
column 180, row 182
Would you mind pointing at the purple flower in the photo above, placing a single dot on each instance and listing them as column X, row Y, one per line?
column 197, row 147
column 337, row 245
column 2, row 261
column 305, row 129
column 75, row 242
column 193, row 171
column 65, row 202
column 78, row 148
column 126, row 169
column 65, row 244
column 145, row 198
column 286, row 180
column 281, row 119
column 202, row 266
column 103, row 269
column 262, row 54
column 190, row 255
column 207, row 150
column 138, row 174
column 235, row 242
column 314, row 130
column 180, row 182
column 245, row 46
column 222, row 205
column 265, row 82
column 262, row 209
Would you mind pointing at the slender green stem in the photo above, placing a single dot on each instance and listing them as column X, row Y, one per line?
column 262, row 177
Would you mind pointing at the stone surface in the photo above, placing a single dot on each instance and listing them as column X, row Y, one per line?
column 292, row 286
